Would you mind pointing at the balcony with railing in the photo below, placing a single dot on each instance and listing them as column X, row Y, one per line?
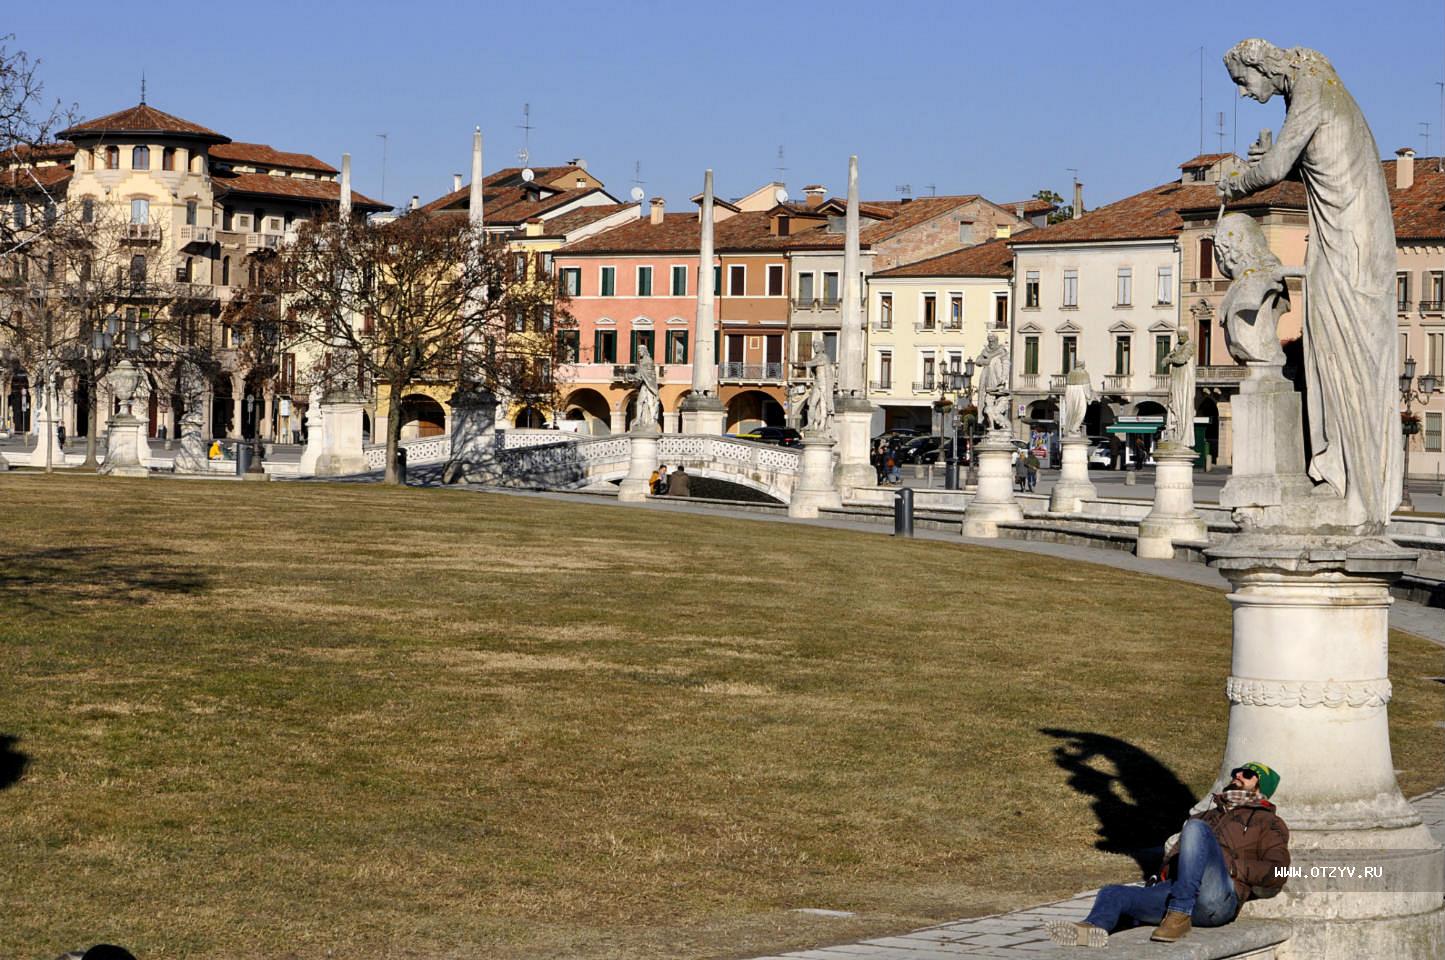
column 1432, row 306
column 926, row 385
column 924, row 326
column 1028, row 381
column 264, row 241
column 816, row 304
column 1116, row 382
column 881, row 326
column 1161, row 383
column 191, row 234
column 1056, row 382
column 952, row 326
column 141, row 232
column 750, row 372
column 1207, row 285
column 627, row 372
column 880, row 385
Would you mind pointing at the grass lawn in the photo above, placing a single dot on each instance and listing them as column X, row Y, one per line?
column 276, row 720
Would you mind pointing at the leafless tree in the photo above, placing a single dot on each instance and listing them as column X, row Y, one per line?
column 421, row 299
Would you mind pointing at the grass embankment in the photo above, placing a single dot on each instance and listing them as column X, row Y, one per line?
column 295, row 720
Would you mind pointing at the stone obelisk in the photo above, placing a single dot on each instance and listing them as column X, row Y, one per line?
column 342, row 407
column 702, row 411
column 474, row 407
column 854, row 414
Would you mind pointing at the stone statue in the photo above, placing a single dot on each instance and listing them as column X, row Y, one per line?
column 191, row 384
column 993, row 386
column 649, row 404
column 1351, row 345
column 819, row 404
column 1258, row 296
column 1078, row 393
column 1179, row 412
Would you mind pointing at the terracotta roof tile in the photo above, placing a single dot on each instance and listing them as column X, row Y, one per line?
column 1204, row 160
column 35, row 178
column 678, row 233
column 143, row 118
column 1033, row 205
column 1151, row 215
column 1286, row 193
column 581, row 217
column 266, row 155
column 1420, row 210
column 292, row 188
column 991, row 259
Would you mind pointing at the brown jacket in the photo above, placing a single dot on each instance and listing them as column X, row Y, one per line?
column 1255, row 841
column 677, row 484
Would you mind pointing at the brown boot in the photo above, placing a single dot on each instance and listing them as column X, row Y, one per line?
column 1176, row 926
column 1067, row 934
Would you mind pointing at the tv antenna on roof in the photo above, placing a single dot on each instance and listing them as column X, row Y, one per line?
column 1220, row 132
column 1425, row 133
column 637, row 182
column 525, row 126
column 781, row 167
column 931, row 188
column 142, row 87
column 905, row 188
column 382, row 195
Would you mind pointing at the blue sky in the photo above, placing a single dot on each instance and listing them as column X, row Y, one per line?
column 967, row 97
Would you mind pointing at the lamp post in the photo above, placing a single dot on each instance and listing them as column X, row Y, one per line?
column 960, row 384
column 258, row 450
column 1409, row 425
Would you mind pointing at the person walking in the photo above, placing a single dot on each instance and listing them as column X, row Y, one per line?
column 1021, row 472
column 1233, row 852
column 1031, row 462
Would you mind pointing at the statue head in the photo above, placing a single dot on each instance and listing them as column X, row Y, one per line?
column 1240, row 245
column 643, row 354
column 992, row 339
column 1184, row 333
column 1257, row 67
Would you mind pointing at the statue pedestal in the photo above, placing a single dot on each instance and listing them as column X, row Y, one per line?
column 815, row 487
column 642, row 460
column 341, row 447
column 1073, row 486
column 1308, row 691
column 853, row 421
column 703, row 413
column 474, row 432
column 124, row 437
column 1173, row 516
column 1268, row 450
column 994, row 500
column 191, row 458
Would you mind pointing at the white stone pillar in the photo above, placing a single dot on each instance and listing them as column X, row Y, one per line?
column 1173, row 516
column 473, row 433
column 617, row 422
column 342, row 450
column 853, row 413
column 670, row 421
column 993, row 502
column 238, row 399
column 1308, row 689
column 642, row 460
column 702, row 410
column 815, row 487
column 1073, row 486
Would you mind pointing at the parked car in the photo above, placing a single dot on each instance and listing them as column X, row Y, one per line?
column 921, row 450
column 782, row 436
column 1101, row 454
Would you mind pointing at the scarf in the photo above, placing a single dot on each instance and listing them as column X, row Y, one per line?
column 1232, row 799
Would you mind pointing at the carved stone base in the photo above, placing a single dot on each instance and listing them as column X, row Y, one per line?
column 473, row 432
column 704, row 414
column 1173, row 516
column 853, row 422
column 642, row 460
column 341, row 439
column 124, row 436
column 815, row 487
column 993, row 502
column 1308, row 692
column 191, row 458
column 1073, row 486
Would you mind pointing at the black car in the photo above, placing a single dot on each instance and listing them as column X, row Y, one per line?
column 782, row 436
column 921, row 450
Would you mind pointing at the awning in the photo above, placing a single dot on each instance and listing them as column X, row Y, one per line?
column 1133, row 428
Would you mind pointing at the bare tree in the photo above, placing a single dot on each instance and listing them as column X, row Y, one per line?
column 418, row 299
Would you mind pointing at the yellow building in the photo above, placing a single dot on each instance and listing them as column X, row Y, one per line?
column 929, row 317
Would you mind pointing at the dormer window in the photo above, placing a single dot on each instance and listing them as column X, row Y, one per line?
column 168, row 158
column 112, row 158
column 140, row 158
column 784, row 224
column 1199, row 174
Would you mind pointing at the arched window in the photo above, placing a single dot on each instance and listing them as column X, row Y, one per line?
column 1206, row 258
column 112, row 158
column 168, row 158
column 138, row 270
column 140, row 158
column 190, row 269
column 225, row 271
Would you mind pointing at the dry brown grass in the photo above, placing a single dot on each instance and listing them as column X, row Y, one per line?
column 277, row 720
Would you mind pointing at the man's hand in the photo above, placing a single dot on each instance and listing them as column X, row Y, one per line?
column 1228, row 187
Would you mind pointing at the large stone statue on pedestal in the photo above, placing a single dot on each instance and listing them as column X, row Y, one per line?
column 644, row 433
column 1074, row 486
column 191, row 457
column 818, row 401
column 816, row 481
column 1311, row 571
column 1179, row 411
column 649, row 403
column 993, row 501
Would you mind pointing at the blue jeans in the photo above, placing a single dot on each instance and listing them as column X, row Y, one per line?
column 1201, row 887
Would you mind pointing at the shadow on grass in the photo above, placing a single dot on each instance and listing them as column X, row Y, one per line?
column 12, row 762
column 1140, row 803
column 60, row 576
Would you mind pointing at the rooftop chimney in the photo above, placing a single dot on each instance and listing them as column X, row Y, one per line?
column 1404, row 168
column 415, row 202
column 1019, row 211
column 1078, row 199
column 815, row 193
column 456, row 182
column 657, row 209
column 579, row 163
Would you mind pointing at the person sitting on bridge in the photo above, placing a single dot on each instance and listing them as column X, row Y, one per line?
column 1233, row 852
column 677, row 483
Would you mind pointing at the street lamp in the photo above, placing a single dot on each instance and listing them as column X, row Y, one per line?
column 1409, row 423
column 960, row 384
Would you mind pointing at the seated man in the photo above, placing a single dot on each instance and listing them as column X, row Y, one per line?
column 1222, row 858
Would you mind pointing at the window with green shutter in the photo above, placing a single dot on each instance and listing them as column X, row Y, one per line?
column 679, row 280
column 677, row 346
column 608, row 285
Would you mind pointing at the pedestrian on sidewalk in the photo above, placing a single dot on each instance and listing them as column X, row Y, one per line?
column 890, row 463
column 1032, row 463
column 1021, row 472
column 1234, row 852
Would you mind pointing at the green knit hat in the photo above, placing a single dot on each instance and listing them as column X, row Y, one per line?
column 1268, row 777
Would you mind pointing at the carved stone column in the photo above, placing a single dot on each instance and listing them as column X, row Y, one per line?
column 642, row 460
column 1173, row 516
column 816, row 487
column 1073, row 486
column 993, row 502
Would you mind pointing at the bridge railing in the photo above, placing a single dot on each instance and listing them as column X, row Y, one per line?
column 740, row 455
column 437, row 449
